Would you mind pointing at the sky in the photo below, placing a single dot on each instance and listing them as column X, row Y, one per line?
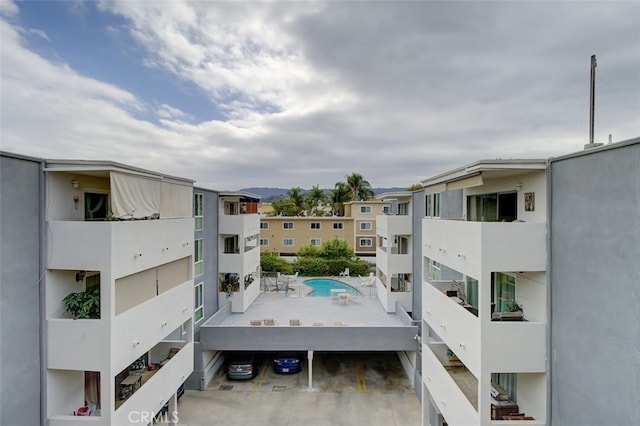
column 301, row 93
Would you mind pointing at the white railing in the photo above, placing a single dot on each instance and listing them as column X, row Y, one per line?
column 446, row 394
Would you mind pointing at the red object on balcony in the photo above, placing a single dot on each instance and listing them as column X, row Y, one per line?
column 83, row 411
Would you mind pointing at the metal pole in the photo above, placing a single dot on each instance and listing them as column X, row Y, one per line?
column 592, row 109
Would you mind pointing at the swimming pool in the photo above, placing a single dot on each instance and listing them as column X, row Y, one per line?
column 322, row 287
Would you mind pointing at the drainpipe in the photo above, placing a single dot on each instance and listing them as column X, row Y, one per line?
column 41, row 291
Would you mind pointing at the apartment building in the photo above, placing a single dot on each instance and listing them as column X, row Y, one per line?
column 113, row 247
column 394, row 251
column 21, row 289
column 286, row 235
column 239, row 249
column 484, row 294
column 364, row 216
column 594, row 223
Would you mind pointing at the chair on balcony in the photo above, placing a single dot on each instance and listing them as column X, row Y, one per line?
column 270, row 322
column 255, row 322
column 295, row 322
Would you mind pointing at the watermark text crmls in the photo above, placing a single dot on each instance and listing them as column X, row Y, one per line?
column 146, row 417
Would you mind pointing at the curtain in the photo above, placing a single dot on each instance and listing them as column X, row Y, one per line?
column 134, row 197
column 92, row 389
column 176, row 200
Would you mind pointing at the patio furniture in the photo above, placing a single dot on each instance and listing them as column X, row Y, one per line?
column 343, row 298
column 335, row 293
column 339, row 324
column 255, row 322
column 295, row 322
column 269, row 322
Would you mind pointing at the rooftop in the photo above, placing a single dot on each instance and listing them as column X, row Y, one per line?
column 364, row 310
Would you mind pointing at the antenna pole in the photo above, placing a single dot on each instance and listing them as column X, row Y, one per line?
column 592, row 100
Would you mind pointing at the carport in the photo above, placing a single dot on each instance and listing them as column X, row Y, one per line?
column 324, row 325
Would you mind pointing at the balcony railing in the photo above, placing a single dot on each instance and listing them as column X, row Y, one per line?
column 445, row 392
column 456, row 326
column 470, row 247
column 159, row 387
column 122, row 248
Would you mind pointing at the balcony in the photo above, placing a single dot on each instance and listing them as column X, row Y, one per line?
column 470, row 247
column 241, row 224
column 452, row 402
column 77, row 344
column 393, row 224
column 136, row 330
column 515, row 346
column 457, row 327
column 121, row 247
column 159, row 386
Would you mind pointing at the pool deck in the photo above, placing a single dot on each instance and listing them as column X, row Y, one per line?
column 364, row 310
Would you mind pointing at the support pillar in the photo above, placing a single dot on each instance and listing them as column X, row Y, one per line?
column 310, row 369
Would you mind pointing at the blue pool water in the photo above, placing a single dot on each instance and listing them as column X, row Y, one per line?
column 322, row 287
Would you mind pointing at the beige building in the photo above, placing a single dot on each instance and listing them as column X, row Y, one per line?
column 286, row 235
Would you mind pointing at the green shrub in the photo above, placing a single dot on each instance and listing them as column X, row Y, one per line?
column 311, row 266
column 271, row 262
column 336, row 249
column 308, row 251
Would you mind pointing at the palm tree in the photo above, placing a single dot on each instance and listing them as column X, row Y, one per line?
column 359, row 187
column 339, row 195
column 314, row 198
column 296, row 198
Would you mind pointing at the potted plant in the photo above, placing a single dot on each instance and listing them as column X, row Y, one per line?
column 83, row 304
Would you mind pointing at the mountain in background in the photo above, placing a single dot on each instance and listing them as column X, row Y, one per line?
column 269, row 194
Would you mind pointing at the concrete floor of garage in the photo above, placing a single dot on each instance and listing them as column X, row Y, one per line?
column 348, row 389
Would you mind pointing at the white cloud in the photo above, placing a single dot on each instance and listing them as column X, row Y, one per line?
column 316, row 91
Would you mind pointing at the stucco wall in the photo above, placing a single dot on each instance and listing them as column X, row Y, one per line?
column 20, row 291
column 595, row 287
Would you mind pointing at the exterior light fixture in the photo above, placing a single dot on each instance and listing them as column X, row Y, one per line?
column 74, row 183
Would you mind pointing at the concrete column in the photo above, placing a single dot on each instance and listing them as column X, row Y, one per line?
column 310, row 369
column 173, row 408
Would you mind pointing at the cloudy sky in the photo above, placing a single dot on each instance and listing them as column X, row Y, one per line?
column 240, row 94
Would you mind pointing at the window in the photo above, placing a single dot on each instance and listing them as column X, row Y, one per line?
column 472, row 292
column 287, row 242
column 316, row 242
column 493, row 207
column 365, row 226
column 504, row 291
column 198, row 208
column 338, row 225
column 434, row 270
column 366, row 242
column 96, row 206
column 365, row 209
column 231, row 245
column 508, row 381
column 403, row 209
column 198, row 313
column 287, row 225
column 264, row 241
column 433, row 205
column 264, row 225
column 315, row 225
column 197, row 257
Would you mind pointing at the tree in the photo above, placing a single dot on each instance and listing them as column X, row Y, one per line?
column 415, row 187
column 281, row 207
column 359, row 187
column 339, row 195
column 336, row 249
column 296, row 201
column 314, row 198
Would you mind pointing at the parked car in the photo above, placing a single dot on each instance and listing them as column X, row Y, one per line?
column 287, row 362
column 242, row 366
